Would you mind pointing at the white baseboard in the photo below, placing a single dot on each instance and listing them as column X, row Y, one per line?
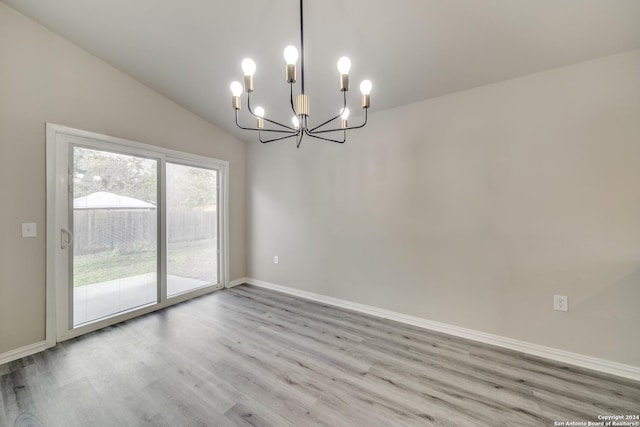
column 237, row 282
column 593, row 363
column 21, row 352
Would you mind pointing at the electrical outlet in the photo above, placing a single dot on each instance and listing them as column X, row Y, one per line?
column 275, row 259
column 29, row 229
column 561, row 303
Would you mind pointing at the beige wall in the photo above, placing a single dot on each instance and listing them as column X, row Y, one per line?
column 44, row 78
column 472, row 209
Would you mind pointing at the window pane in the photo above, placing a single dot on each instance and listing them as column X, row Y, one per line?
column 192, row 228
column 115, row 249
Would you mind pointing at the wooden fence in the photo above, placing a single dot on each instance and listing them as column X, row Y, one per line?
column 130, row 230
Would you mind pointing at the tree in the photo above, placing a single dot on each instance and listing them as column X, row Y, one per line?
column 190, row 187
column 122, row 174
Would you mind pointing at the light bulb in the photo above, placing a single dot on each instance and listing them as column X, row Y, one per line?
column 344, row 65
column 291, row 55
column 248, row 66
column 365, row 87
column 345, row 114
column 259, row 111
column 236, row 88
column 296, row 122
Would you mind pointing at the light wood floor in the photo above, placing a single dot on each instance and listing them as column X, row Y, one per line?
column 249, row 356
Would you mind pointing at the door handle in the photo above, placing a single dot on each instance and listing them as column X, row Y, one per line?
column 66, row 238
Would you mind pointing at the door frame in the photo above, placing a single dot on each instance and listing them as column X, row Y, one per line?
column 58, row 142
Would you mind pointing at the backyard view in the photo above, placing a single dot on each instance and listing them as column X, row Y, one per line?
column 115, row 222
column 192, row 228
column 187, row 259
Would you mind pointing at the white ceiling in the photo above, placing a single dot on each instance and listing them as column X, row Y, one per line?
column 190, row 50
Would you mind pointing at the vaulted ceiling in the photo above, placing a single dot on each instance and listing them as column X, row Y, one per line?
column 190, row 50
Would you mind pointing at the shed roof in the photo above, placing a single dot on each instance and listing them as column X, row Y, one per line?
column 106, row 200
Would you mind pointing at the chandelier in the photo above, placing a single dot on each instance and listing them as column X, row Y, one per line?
column 300, row 124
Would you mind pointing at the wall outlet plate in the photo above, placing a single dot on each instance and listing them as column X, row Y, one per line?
column 276, row 260
column 29, row 229
column 561, row 303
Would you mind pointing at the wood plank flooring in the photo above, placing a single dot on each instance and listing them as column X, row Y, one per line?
column 249, row 356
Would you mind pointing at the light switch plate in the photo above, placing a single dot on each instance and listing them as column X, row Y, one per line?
column 29, row 229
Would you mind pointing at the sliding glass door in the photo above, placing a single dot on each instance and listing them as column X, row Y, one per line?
column 192, row 228
column 115, row 229
column 131, row 228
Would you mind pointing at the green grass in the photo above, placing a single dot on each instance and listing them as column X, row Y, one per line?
column 195, row 260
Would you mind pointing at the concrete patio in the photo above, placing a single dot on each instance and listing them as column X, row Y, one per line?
column 98, row 300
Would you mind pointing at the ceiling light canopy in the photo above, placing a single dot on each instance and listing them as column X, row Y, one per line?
column 300, row 124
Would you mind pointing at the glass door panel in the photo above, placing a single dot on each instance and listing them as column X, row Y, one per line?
column 115, row 228
column 192, row 228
